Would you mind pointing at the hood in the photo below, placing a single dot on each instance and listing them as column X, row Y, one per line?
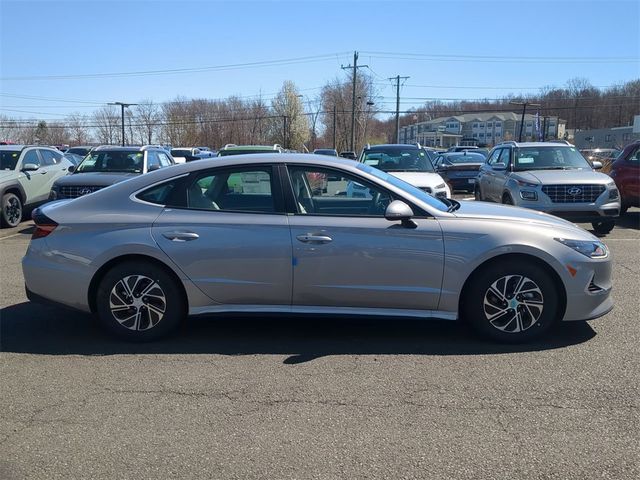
column 7, row 174
column 564, row 177
column 494, row 211
column 419, row 179
column 98, row 179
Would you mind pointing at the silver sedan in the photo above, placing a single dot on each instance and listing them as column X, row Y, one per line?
column 278, row 233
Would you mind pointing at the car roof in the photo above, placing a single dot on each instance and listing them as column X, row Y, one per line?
column 21, row 147
column 251, row 147
column 392, row 145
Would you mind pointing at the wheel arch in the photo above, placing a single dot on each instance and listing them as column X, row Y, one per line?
column 16, row 189
column 512, row 257
column 101, row 272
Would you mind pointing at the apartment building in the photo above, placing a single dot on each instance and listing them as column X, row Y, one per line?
column 481, row 129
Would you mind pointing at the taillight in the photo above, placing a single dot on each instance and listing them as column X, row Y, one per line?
column 44, row 225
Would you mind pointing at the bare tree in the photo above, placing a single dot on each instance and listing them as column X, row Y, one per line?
column 147, row 117
column 107, row 125
column 78, row 131
column 288, row 106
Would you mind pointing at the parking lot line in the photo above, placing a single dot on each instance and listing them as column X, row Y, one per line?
column 9, row 236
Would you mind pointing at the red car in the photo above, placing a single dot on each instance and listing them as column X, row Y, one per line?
column 626, row 173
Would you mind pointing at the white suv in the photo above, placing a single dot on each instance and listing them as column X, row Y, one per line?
column 410, row 163
column 26, row 176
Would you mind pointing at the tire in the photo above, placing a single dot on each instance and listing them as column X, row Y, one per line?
column 506, row 199
column 603, row 227
column 477, row 194
column 11, row 210
column 488, row 308
column 139, row 318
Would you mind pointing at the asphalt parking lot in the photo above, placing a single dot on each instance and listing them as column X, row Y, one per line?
column 280, row 398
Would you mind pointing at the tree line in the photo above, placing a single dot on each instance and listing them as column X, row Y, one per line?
column 299, row 123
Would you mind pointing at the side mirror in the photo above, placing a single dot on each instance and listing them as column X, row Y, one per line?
column 597, row 165
column 30, row 167
column 398, row 210
column 499, row 166
column 153, row 168
column 442, row 167
column 71, row 169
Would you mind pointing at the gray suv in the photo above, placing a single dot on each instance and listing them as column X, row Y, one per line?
column 108, row 165
column 552, row 177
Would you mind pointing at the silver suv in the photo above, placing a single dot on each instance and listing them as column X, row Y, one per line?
column 552, row 177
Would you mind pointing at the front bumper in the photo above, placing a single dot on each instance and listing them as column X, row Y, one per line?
column 588, row 286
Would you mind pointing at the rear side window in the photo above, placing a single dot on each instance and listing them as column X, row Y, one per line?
column 238, row 191
column 159, row 194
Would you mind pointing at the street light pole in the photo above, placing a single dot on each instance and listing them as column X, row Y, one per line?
column 122, row 107
column 524, row 109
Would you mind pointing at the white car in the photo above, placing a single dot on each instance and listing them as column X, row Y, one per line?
column 410, row 163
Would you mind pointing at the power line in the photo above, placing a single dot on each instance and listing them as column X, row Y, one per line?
column 142, row 73
column 499, row 59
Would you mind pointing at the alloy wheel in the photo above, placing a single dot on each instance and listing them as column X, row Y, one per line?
column 513, row 303
column 137, row 302
column 13, row 211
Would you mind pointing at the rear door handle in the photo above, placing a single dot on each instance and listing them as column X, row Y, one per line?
column 308, row 238
column 181, row 236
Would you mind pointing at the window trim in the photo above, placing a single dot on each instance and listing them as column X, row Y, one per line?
column 276, row 188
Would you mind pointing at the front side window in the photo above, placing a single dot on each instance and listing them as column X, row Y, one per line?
column 321, row 191
column 31, row 157
column 493, row 158
column 152, row 160
column 165, row 161
column 112, row 161
column 238, row 191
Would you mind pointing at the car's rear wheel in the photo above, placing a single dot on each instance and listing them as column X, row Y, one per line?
column 11, row 210
column 511, row 302
column 603, row 227
column 139, row 301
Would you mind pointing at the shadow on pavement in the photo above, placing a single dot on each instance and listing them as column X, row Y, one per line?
column 37, row 329
column 631, row 219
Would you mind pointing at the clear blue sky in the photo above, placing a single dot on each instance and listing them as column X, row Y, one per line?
column 53, row 38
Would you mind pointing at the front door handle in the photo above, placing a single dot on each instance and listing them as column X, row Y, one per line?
column 308, row 238
column 181, row 236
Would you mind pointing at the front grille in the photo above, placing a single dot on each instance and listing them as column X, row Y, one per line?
column 426, row 189
column 573, row 193
column 74, row 191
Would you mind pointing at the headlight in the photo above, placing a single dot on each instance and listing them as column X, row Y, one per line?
column 528, row 195
column 53, row 194
column 588, row 248
column 613, row 194
column 442, row 185
column 522, row 183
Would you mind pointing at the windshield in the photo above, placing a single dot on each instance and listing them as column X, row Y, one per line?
column 113, row 161
column 464, row 158
column 398, row 160
column 407, row 187
column 9, row 159
column 549, row 158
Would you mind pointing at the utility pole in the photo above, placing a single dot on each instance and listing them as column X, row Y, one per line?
column 355, row 68
column 397, row 78
column 122, row 107
column 284, row 131
column 334, row 126
column 524, row 109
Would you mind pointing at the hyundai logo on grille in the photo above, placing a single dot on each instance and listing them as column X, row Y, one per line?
column 574, row 191
column 85, row 191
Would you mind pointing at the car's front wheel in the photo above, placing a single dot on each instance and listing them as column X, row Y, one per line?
column 603, row 227
column 11, row 210
column 512, row 302
column 139, row 301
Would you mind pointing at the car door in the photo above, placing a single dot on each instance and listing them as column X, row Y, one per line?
column 346, row 254
column 501, row 175
column 34, row 182
column 55, row 166
column 486, row 175
column 229, row 234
